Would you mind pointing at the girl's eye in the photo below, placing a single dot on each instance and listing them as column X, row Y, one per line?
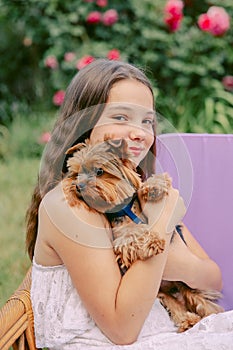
column 98, row 171
column 148, row 121
column 120, row 117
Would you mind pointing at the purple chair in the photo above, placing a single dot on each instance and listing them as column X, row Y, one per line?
column 201, row 166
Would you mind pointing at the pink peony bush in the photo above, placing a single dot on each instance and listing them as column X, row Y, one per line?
column 94, row 17
column 227, row 82
column 58, row 97
column 113, row 54
column 204, row 22
column 173, row 14
column 69, row 56
column 110, row 17
column 84, row 61
column 216, row 21
column 51, row 62
column 45, row 137
column 102, row 3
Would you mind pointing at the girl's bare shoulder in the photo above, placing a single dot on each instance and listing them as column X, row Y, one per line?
column 75, row 222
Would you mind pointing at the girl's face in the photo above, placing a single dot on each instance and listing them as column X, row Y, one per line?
column 128, row 114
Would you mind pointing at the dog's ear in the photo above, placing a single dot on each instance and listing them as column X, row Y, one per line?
column 115, row 143
column 75, row 148
column 120, row 147
column 131, row 175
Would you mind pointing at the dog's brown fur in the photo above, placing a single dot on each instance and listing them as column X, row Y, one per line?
column 101, row 177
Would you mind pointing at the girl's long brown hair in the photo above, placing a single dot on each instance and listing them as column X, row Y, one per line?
column 84, row 102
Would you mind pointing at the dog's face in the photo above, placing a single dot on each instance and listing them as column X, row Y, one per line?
column 102, row 174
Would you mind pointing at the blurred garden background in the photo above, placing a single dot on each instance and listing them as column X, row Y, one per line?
column 185, row 48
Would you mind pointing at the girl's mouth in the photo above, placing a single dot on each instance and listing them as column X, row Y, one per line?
column 136, row 151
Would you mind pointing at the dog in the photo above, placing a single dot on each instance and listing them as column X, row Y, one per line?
column 102, row 178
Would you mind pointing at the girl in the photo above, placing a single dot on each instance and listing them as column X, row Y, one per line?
column 79, row 297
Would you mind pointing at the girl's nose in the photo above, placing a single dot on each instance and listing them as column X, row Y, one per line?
column 137, row 134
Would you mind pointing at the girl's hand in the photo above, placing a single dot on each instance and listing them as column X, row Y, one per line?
column 190, row 264
column 165, row 214
column 179, row 256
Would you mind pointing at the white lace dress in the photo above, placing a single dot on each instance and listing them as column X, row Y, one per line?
column 62, row 322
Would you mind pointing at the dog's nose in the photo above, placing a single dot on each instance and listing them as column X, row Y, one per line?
column 80, row 186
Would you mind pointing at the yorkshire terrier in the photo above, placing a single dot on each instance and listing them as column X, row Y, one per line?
column 102, row 178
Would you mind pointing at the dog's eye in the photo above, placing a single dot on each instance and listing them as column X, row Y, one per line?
column 98, row 171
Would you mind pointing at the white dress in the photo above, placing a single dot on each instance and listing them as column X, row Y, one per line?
column 62, row 322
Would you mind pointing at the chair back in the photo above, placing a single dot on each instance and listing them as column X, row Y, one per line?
column 16, row 319
column 201, row 166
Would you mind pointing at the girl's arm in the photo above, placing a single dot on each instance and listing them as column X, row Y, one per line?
column 191, row 264
column 119, row 305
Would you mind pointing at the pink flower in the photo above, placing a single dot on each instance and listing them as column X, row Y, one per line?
column 173, row 23
column 58, row 97
column 227, row 82
column 216, row 21
column 173, row 14
column 174, row 7
column 69, row 56
column 219, row 20
column 113, row 54
column 204, row 22
column 51, row 62
column 94, row 17
column 45, row 137
column 102, row 3
column 84, row 61
column 110, row 17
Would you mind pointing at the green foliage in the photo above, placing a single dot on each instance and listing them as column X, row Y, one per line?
column 192, row 112
column 23, row 139
column 184, row 66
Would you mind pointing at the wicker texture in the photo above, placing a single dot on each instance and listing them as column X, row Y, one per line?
column 16, row 319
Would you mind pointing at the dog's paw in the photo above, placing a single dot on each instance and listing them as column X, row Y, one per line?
column 190, row 320
column 149, row 244
column 155, row 187
column 136, row 242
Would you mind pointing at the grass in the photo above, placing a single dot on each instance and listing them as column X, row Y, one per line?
column 20, row 153
column 17, row 179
